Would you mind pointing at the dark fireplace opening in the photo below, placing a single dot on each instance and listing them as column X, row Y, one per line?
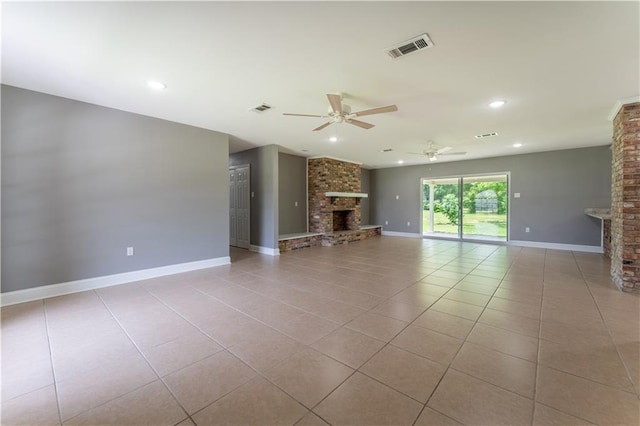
column 343, row 220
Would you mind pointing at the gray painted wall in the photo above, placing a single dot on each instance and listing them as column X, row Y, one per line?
column 292, row 184
column 264, row 188
column 365, row 186
column 81, row 182
column 555, row 189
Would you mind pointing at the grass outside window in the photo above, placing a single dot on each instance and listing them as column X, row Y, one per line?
column 474, row 224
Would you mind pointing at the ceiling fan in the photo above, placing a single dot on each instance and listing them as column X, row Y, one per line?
column 341, row 113
column 432, row 153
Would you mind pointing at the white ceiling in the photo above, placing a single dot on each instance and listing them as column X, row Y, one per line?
column 561, row 66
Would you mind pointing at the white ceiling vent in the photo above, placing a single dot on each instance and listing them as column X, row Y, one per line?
column 486, row 135
column 261, row 108
column 410, row 46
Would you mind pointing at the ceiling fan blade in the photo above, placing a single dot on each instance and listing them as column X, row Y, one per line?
column 336, row 103
column 379, row 110
column 360, row 124
column 323, row 126
column 443, row 149
column 302, row 115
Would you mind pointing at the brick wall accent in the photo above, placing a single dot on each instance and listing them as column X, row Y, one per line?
column 345, row 237
column 300, row 243
column 625, row 198
column 606, row 237
column 330, row 175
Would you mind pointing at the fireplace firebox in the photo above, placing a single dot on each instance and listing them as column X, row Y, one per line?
column 344, row 220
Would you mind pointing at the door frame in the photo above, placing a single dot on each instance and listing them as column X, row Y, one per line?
column 460, row 236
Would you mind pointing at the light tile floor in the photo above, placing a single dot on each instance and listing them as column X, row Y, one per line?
column 385, row 331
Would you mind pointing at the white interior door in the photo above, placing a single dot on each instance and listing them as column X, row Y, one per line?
column 243, row 196
column 233, row 240
column 239, row 206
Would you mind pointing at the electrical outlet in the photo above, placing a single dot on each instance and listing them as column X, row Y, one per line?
column 397, row 197
column 295, row 204
column 252, row 194
column 129, row 251
column 516, row 195
column 527, row 229
column 386, row 222
column 408, row 223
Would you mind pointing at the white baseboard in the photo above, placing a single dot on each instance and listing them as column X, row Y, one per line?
column 43, row 292
column 555, row 246
column 265, row 250
column 400, row 234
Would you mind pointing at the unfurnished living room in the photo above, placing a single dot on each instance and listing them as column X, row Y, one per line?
column 320, row 213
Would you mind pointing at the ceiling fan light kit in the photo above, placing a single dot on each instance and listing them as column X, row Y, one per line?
column 341, row 113
column 432, row 153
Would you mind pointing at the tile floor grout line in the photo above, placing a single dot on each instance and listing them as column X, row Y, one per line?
column 588, row 380
column 248, row 316
column 53, row 370
column 610, row 336
column 158, row 377
column 227, row 349
column 535, row 377
column 449, row 366
column 588, row 422
column 465, row 340
column 454, row 356
column 357, row 370
column 303, row 290
column 386, row 344
column 379, row 350
column 615, row 345
column 538, row 364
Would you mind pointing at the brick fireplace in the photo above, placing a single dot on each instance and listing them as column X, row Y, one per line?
column 330, row 175
column 334, row 206
column 334, row 202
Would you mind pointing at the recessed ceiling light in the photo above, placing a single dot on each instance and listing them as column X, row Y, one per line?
column 333, row 139
column 517, row 145
column 156, row 85
column 497, row 104
column 400, row 161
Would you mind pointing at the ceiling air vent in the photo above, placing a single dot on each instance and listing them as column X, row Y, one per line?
column 410, row 46
column 261, row 108
column 486, row 135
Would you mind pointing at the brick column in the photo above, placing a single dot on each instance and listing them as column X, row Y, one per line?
column 625, row 198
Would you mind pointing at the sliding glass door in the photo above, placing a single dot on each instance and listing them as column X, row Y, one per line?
column 485, row 200
column 441, row 207
column 466, row 207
